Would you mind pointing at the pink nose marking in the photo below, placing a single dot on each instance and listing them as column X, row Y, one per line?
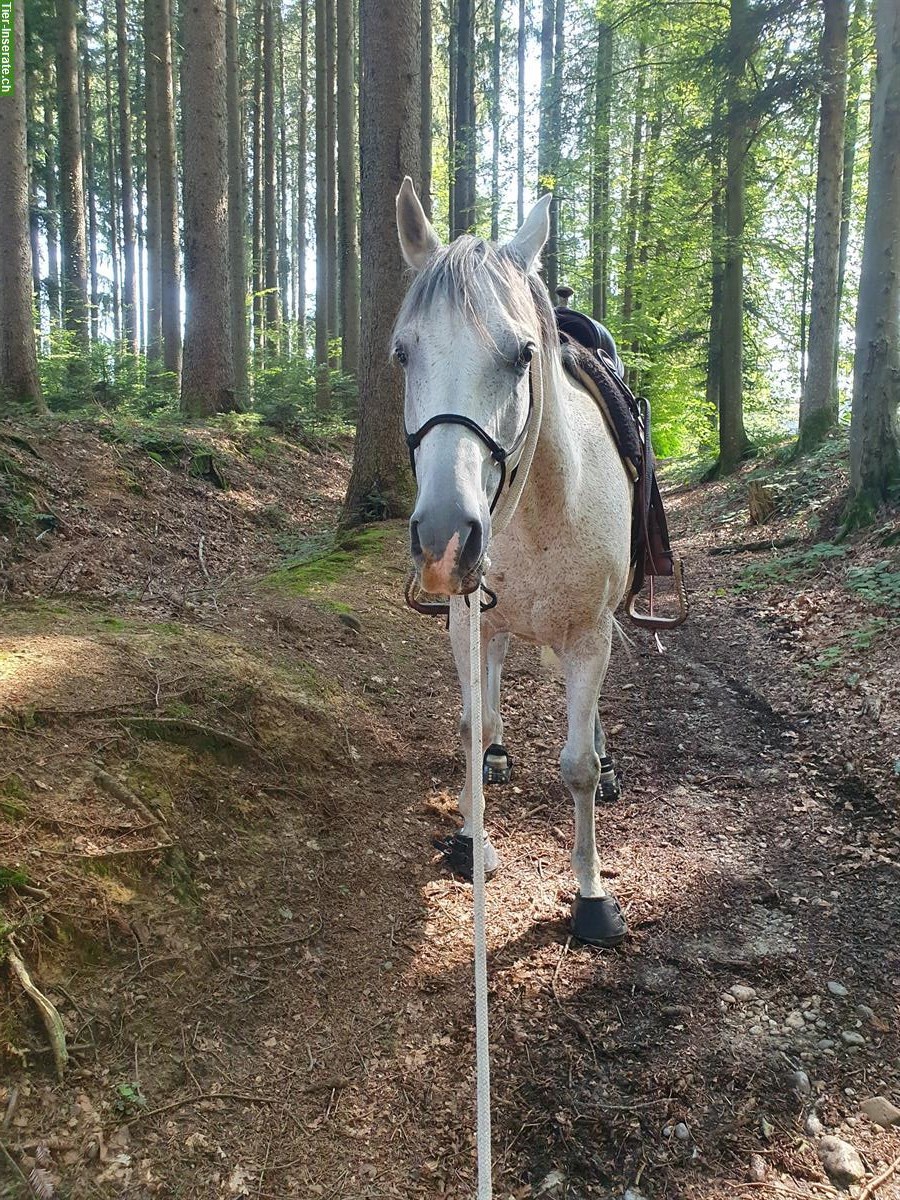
column 436, row 574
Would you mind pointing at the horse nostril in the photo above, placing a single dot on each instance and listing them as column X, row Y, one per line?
column 472, row 548
column 415, row 544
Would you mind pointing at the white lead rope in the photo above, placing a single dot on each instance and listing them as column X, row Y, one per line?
column 458, row 607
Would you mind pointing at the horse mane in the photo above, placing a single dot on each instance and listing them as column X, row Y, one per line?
column 474, row 277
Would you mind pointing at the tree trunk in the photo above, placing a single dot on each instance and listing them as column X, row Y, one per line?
column 51, row 224
column 551, row 250
column 717, row 269
column 851, row 130
column 270, row 219
column 464, row 151
column 113, row 176
column 733, row 440
column 348, row 185
column 634, row 185
column 426, row 102
column 236, row 216
column 75, row 286
column 390, row 145
column 19, row 385
column 600, row 170
column 90, row 183
column 153, row 220
column 302, row 151
column 256, row 252
column 520, row 114
column 170, row 266
column 452, row 44
column 495, row 120
column 874, row 428
column 323, row 391
column 208, row 375
column 129, row 282
column 284, row 254
column 334, row 329
column 818, row 404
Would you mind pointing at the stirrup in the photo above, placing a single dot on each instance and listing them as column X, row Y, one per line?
column 497, row 766
column 649, row 620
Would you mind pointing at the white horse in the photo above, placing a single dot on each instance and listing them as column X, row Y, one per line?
column 475, row 326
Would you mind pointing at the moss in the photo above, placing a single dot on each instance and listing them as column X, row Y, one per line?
column 13, row 799
column 320, row 570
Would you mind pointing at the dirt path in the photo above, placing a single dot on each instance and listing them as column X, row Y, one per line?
column 299, row 1024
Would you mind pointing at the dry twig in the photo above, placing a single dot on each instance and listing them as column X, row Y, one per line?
column 872, row 1187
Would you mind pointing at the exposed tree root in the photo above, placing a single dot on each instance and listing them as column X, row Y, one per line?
column 49, row 1015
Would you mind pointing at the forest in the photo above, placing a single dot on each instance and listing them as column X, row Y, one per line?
column 231, row 964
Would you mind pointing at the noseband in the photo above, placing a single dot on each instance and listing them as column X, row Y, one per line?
column 498, row 454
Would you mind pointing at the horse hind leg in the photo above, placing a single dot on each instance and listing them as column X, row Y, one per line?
column 497, row 761
column 609, row 789
column 596, row 916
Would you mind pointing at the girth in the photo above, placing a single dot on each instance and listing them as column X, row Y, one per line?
column 628, row 418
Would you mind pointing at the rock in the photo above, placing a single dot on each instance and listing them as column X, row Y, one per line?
column 851, row 1038
column 825, row 1044
column 813, row 1127
column 552, row 1183
column 728, row 998
column 840, row 1161
column 634, row 1194
column 742, row 993
column 682, row 1132
column 795, row 1020
column 880, row 1110
column 800, row 1083
column 837, row 989
column 349, row 621
column 863, row 1010
column 756, row 1030
column 757, row 1168
column 668, row 1130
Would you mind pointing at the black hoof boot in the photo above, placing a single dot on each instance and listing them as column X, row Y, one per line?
column 598, row 921
column 497, row 766
column 458, row 856
column 609, row 789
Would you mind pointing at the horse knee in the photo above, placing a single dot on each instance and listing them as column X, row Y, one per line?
column 580, row 769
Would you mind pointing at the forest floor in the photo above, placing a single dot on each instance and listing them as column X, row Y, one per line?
column 225, row 746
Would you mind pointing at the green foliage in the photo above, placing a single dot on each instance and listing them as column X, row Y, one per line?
column 324, row 559
column 878, row 583
column 129, row 1098
column 789, row 568
column 13, row 877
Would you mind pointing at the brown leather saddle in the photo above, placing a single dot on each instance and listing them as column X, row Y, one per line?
column 590, row 359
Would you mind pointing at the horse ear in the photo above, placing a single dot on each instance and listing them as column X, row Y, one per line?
column 528, row 243
column 418, row 241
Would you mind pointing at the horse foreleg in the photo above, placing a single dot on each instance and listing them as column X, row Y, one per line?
column 497, row 762
column 596, row 917
column 459, row 856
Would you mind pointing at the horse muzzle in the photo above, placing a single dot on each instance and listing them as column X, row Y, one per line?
column 448, row 557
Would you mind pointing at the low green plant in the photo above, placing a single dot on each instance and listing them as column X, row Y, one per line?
column 789, row 568
column 879, row 583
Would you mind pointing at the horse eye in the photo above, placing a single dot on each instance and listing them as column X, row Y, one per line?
column 525, row 357
column 401, row 356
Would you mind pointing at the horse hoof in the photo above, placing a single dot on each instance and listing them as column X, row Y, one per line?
column 598, row 921
column 458, row 856
column 609, row 789
column 497, row 766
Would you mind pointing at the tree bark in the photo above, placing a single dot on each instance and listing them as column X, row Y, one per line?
column 733, row 440
column 256, row 252
column 20, row 388
column 452, row 44
column 113, row 176
column 427, row 103
column 600, row 169
column 170, row 265
column 323, row 391
column 51, row 224
column 551, row 250
column 236, row 215
column 819, row 403
column 634, row 188
column 520, row 114
column 270, row 219
column 496, row 114
column 129, row 247
column 208, row 374
column 874, row 427
column 851, row 131
column 717, row 269
column 348, row 186
column 334, row 329
column 390, row 146
column 284, row 257
column 464, row 151
column 75, row 285
column 90, row 183
column 153, row 219
column 302, row 151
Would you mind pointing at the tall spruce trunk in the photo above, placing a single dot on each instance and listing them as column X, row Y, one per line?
column 348, row 186
column 874, row 426
column 152, row 217
column 270, row 219
column 521, row 46
column 302, row 151
column 169, row 239
column 51, row 223
column 819, row 402
column 600, row 170
column 717, row 271
column 851, row 132
column 20, row 388
column 256, row 184
column 284, row 253
column 390, row 145
column 90, row 183
column 733, row 440
column 74, row 229
column 208, row 375
column 236, row 215
column 112, row 162
column 551, row 250
column 323, row 391
column 634, row 190
column 426, row 103
column 130, row 314
column 331, row 264
column 496, row 114
column 464, row 150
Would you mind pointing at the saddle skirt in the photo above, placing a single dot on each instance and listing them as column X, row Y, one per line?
column 592, row 362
